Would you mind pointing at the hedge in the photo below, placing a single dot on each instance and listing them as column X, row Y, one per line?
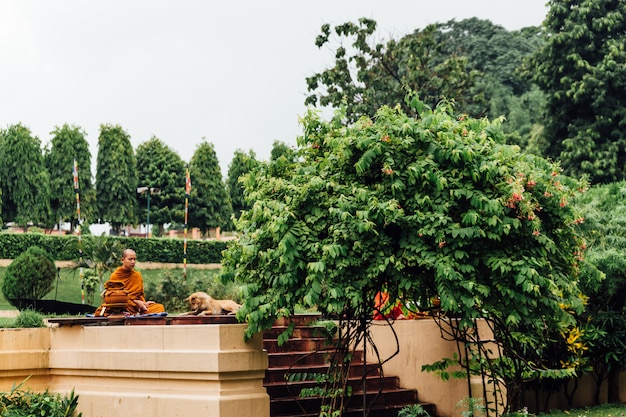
column 148, row 249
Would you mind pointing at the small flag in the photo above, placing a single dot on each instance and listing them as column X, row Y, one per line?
column 75, row 174
column 188, row 183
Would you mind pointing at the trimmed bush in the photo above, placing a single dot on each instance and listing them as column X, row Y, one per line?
column 30, row 276
column 64, row 248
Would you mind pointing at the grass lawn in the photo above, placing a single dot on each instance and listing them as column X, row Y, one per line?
column 606, row 410
column 67, row 286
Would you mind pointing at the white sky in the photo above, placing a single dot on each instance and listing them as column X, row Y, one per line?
column 232, row 72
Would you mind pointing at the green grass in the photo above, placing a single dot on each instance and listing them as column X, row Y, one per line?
column 605, row 410
column 67, row 285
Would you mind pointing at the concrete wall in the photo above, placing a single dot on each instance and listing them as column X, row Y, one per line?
column 420, row 343
column 157, row 371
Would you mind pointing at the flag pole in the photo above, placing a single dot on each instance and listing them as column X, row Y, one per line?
column 80, row 243
column 187, row 192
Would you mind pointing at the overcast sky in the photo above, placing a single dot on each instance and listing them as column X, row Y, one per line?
column 232, row 72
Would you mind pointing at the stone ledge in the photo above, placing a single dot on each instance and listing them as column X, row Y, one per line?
column 142, row 320
column 161, row 371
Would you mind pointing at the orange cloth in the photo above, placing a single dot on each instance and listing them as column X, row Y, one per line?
column 133, row 284
column 383, row 311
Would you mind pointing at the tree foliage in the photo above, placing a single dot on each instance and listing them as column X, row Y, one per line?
column 604, row 323
column 368, row 75
column 582, row 69
column 158, row 166
column 24, row 180
column 419, row 208
column 209, row 203
column 68, row 144
column 279, row 149
column 499, row 55
column 241, row 164
column 472, row 61
column 116, row 177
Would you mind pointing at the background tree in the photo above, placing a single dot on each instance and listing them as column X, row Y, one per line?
column 24, row 180
column 209, row 203
column 158, row 166
column 116, row 178
column 474, row 62
column 69, row 143
column 416, row 208
column 241, row 164
column 604, row 323
column 367, row 76
column 279, row 149
column 582, row 69
column 499, row 55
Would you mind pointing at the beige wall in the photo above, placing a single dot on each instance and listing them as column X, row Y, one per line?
column 420, row 343
column 157, row 371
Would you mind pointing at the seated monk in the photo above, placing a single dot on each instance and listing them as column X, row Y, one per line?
column 132, row 282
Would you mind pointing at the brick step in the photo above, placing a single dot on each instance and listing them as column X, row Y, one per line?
column 297, row 345
column 308, row 351
column 292, row 389
column 298, row 319
column 386, row 398
column 288, row 359
column 374, row 411
column 356, row 370
column 299, row 332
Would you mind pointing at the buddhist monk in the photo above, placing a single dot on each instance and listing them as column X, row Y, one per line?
column 132, row 282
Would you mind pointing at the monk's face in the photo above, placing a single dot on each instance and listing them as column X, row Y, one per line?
column 128, row 260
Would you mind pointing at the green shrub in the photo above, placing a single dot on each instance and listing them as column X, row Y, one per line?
column 413, row 410
column 29, row 319
column 63, row 248
column 19, row 402
column 30, row 276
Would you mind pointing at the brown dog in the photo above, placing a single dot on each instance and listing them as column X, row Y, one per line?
column 202, row 304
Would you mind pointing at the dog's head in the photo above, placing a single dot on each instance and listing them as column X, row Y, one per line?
column 198, row 301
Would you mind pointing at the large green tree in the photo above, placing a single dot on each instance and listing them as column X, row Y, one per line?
column 116, row 178
column 241, row 164
column 209, row 203
column 582, row 69
column 24, row 181
column 472, row 61
column 499, row 56
column 68, row 144
column 417, row 208
column 367, row 75
column 159, row 167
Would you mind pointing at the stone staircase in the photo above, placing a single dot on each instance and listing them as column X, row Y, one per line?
column 306, row 352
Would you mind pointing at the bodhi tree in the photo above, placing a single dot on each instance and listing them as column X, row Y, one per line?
column 416, row 207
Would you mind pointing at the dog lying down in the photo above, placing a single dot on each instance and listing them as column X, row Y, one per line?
column 202, row 304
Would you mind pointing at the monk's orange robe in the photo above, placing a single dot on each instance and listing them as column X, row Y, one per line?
column 133, row 284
